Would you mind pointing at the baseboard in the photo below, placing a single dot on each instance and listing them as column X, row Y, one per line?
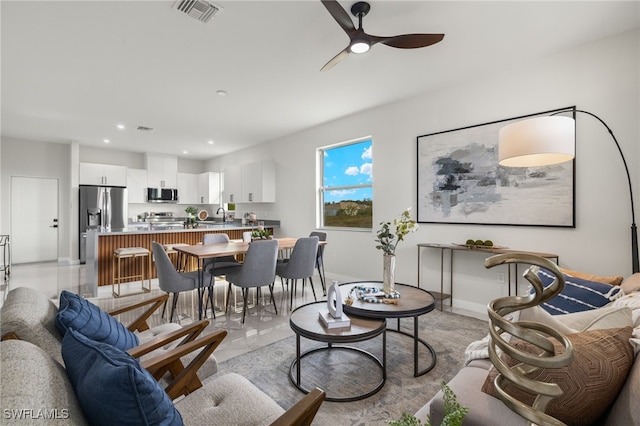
column 469, row 306
column 65, row 261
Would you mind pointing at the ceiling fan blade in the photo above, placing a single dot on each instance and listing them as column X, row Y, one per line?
column 336, row 59
column 409, row 41
column 340, row 15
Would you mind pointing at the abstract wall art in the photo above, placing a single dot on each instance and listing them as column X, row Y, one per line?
column 460, row 181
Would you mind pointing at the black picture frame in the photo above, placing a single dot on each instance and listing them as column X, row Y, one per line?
column 460, row 181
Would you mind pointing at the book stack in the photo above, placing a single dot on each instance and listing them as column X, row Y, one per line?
column 328, row 321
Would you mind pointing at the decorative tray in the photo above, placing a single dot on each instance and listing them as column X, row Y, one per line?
column 476, row 246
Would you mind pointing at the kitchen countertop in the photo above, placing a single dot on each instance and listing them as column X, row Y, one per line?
column 138, row 227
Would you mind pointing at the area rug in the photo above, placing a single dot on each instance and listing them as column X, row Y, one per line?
column 343, row 373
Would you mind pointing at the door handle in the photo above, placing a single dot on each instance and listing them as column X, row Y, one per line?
column 53, row 226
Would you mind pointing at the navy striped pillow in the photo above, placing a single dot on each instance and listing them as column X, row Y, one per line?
column 578, row 294
column 88, row 319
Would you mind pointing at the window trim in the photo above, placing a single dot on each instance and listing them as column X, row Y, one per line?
column 321, row 189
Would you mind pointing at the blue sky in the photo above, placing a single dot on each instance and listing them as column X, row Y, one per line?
column 348, row 165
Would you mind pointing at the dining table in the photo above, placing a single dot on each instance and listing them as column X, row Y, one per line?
column 200, row 252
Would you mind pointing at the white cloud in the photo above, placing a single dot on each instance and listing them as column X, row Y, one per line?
column 342, row 192
column 352, row 171
column 366, row 169
column 366, row 154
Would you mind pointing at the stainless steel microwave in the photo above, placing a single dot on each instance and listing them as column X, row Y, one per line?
column 162, row 195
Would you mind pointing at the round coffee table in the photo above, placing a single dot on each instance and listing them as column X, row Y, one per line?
column 304, row 321
column 413, row 302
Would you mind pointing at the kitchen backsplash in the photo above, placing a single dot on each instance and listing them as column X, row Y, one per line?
column 178, row 210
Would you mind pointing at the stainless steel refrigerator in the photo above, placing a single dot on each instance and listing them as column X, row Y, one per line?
column 102, row 208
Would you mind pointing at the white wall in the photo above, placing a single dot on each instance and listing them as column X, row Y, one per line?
column 601, row 77
column 38, row 159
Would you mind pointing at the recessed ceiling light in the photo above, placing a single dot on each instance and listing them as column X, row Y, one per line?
column 210, row 142
column 185, row 152
column 120, row 126
column 221, row 92
column 106, row 141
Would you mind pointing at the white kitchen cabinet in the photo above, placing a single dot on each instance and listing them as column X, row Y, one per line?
column 233, row 184
column 259, row 182
column 208, row 188
column 162, row 171
column 187, row 188
column 102, row 174
column 250, row 183
column 137, row 185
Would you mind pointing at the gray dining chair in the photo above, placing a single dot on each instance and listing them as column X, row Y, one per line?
column 258, row 270
column 218, row 266
column 170, row 280
column 322, row 236
column 300, row 265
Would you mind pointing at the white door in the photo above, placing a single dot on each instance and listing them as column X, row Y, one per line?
column 34, row 219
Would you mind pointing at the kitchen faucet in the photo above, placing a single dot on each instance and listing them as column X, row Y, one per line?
column 224, row 214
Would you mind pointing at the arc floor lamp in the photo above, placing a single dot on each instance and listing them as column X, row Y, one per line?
column 550, row 140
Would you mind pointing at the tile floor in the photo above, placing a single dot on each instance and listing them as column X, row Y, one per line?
column 262, row 326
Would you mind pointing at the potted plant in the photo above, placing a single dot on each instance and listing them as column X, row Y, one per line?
column 454, row 413
column 388, row 241
column 191, row 219
column 261, row 234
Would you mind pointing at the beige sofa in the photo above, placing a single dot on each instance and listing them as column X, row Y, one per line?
column 485, row 409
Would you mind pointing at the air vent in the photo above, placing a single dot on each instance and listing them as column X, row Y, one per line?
column 145, row 129
column 201, row 10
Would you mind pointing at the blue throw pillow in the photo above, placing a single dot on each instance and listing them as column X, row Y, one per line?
column 83, row 316
column 578, row 294
column 111, row 386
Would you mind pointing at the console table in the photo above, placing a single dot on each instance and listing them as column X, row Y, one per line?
column 452, row 248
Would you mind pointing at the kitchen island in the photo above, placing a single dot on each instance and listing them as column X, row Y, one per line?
column 101, row 245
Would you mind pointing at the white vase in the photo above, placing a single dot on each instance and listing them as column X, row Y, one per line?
column 388, row 270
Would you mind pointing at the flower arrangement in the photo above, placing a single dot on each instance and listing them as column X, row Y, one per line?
column 387, row 239
column 260, row 234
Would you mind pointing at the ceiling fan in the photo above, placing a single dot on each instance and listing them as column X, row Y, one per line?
column 360, row 41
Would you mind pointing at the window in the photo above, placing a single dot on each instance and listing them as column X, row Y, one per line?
column 346, row 189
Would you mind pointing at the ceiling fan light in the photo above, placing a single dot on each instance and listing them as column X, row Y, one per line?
column 359, row 47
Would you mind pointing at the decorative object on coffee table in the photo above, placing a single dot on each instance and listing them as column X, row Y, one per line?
column 385, row 238
column 332, row 316
column 535, row 334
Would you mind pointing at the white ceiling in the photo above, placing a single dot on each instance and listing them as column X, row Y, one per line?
column 73, row 70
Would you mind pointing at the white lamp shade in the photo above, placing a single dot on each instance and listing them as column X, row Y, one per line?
column 537, row 141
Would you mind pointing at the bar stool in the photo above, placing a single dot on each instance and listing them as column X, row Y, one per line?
column 133, row 253
column 180, row 260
